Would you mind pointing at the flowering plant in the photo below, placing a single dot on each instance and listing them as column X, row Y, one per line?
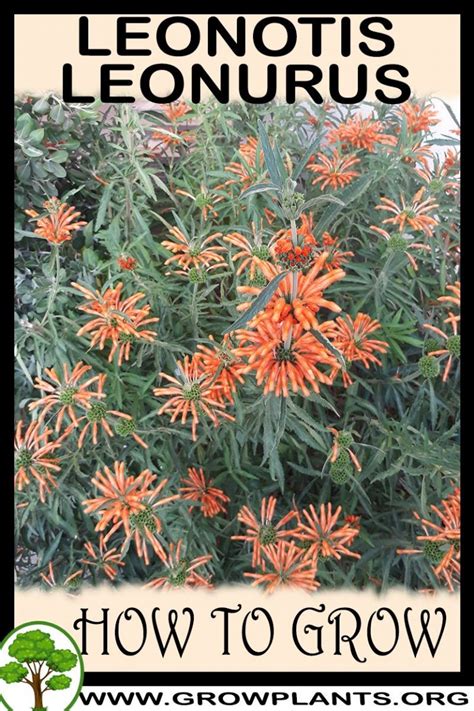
column 238, row 342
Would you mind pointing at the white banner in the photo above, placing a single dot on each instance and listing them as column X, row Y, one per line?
column 284, row 698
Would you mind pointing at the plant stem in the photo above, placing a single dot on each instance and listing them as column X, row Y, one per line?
column 194, row 312
column 55, row 285
column 294, row 279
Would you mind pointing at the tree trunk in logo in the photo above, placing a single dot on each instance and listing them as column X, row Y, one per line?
column 38, row 692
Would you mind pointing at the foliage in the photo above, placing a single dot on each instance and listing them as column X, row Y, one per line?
column 135, row 174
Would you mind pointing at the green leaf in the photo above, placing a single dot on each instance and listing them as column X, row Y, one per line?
column 56, row 169
column 260, row 302
column 269, row 156
column 41, row 106
column 259, row 188
column 329, row 346
column 450, row 111
column 162, row 186
column 271, row 443
column 145, row 181
column 433, row 405
column 24, row 172
column 37, row 135
column 280, row 163
column 346, row 196
column 51, row 549
column 24, row 126
column 103, row 205
column 59, row 156
column 57, row 114
column 306, row 156
column 319, row 199
column 32, row 152
column 442, row 142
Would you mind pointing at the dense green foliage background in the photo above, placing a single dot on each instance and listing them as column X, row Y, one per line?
column 406, row 428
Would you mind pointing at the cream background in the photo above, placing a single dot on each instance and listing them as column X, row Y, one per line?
column 204, row 650
column 428, row 45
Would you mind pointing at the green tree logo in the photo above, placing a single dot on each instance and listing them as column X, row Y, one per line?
column 40, row 662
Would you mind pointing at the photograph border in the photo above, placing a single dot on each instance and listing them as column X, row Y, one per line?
column 7, row 602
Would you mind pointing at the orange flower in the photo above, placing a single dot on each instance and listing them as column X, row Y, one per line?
column 194, row 253
column 181, row 571
column 437, row 176
column 442, row 540
column 343, row 440
column 126, row 427
column 64, row 394
column 172, row 137
column 418, row 153
column 289, row 568
column 401, row 243
column 95, row 416
column 456, row 291
column 413, row 214
column 59, row 223
column 50, row 579
column 294, row 256
column 224, row 366
column 33, row 458
column 335, row 258
column 251, row 169
column 307, row 225
column 105, row 561
column 418, row 118
column 175, row 111
column 122, row 499
column 353, row 520
column 145, row 525
column 361, row 132
column 297, row 259
column 298, row 297
column 116, row 320
column 452, row 342
column 253, row 254
column 192, row 393
column 451, row 162
column 334, row 172
column 212, row 499
column 128, row 264
column 352, row 338
column 282, row 366
column 325, row 536
column 263, row 533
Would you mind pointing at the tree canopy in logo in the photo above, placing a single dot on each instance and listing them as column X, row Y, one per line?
column 39, row 664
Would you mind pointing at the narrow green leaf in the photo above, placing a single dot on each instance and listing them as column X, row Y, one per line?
column 442, row 142
column 276, row 435
column 321, row 198
column 346, row 196
column 282, row 171
column 260, row 302
column 162, row 186
column 269, row 156
column 450, row 111
column 258, row 188
column 327, row 344
column 103, row 205
column 306, row 156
